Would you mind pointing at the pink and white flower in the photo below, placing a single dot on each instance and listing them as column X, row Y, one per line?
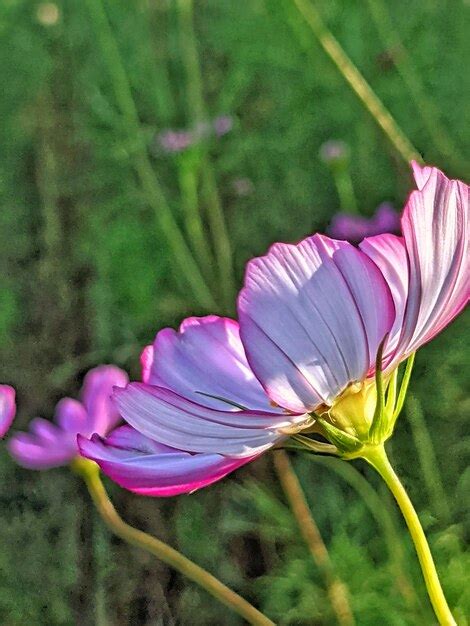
column 51, row 444
column 312, row 319
column 7, row 408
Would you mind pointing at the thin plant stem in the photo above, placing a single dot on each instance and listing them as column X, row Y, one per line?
column 427, row 458
column 197, row 111
column 345, row 189
column 357, row 81
column 382, row 516
column 337, row 590
column 403, row 61
column 188, row 183
column 90, row 473
column 377, row 457
column 164, row 218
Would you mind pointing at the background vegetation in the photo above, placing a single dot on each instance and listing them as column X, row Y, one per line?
column 89, row 274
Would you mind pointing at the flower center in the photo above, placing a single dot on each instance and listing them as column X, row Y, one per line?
column 353, row 411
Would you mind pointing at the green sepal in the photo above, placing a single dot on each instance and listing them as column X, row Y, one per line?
column 379, row 425
column 342, row 440
column 314, row 445
column 404, row 387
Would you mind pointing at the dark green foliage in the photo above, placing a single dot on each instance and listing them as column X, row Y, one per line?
column 86, row 277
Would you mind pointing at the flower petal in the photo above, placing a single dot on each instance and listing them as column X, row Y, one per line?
column 7, row 408
column 46, row 446
column 435, row 226
column 311, row 319
column 148, row 468
column 96, row 397
column 389, row 254
column 421, row 174
column 71, row 416
column 177, row 422
column 206, row 356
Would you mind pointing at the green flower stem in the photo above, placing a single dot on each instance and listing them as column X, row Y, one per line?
column 90, row 473
column 345, row 189
column 337, row 590
column 382, row 516
column 357, row 81
column 377, row 457
column 150, row 184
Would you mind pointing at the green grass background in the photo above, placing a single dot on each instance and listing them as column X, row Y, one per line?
column 88, row 277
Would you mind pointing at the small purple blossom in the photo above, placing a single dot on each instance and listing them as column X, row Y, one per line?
column 51, row 444
column 355, row 228
column 172, row 141
column 223, row 125
column 7, row 408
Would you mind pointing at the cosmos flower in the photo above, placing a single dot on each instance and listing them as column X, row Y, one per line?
column 53, row 444
column 316, row 319
column 7, row 408
column 355, row 228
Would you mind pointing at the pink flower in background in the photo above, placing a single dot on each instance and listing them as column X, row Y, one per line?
column 223, row 125
column 174, row 141
column 216, row 394
column 7, row 408
column 355, row 228
column 53, row 444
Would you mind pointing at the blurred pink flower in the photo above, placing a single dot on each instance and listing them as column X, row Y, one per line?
column 7, row 408
column 174, row 141
column 51, row 444
column 217, row 394
column 355, row 228
column 223, row 125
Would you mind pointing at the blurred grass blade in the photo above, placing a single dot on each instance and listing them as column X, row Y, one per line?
column 198, row 114
column 167, row 224
column 358, row 83
column 337, row 590
column 188, row 184
column 427, row 459
column 403, row 61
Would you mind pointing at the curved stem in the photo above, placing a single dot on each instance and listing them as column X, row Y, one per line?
column 377, row 457
column 357, row 81
column 89, row 471
column 337, row 590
